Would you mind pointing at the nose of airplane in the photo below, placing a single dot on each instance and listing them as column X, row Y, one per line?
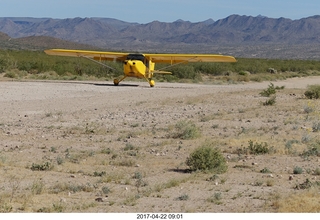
column 130, row 62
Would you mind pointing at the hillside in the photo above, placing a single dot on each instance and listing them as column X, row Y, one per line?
column 39, row 43
column 242, row 36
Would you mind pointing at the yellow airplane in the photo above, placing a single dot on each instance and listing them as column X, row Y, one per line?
column 140, row 65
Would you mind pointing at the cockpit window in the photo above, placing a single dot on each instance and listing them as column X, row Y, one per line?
column 136, row 57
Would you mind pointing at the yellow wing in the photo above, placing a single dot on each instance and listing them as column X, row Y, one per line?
column 180, row 58
column 156, row 58
column 97, row 55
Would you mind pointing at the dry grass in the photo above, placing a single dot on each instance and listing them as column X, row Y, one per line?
column 299, row 202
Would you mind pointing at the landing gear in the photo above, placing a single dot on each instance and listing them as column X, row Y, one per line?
column 149, row 80
column 152, row 83
column 116, row 82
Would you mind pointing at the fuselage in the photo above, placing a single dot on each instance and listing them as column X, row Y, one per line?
column 136, row 65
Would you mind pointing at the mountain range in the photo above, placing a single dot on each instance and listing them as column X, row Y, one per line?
column 242, row 36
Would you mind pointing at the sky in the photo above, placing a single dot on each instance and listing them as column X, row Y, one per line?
column 145, row 11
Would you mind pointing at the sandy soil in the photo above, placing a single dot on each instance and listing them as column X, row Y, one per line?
column 101, row 148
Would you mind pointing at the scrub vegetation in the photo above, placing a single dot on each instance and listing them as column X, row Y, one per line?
column 21, row 64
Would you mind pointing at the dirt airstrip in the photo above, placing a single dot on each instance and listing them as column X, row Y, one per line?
column 94, row 147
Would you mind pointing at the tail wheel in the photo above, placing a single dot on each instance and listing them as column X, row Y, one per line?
column 116, row 82
column 152, row 83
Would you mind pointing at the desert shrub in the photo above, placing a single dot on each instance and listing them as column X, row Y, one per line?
column 313, row 92
column 316, row 126
column 105, row 190
column 215, row 198
column 10, row 74
column 305, row 185
column 265, row 170
column 71, row 187
column 186, row 130
column 60, row 160
column 207, row 158
column 270, row 101
column 41, row 167
column 3, row 64
column 128, row 147
column 183, row 197
column 185, row 72
column 317, row 171
column 96, row 173
column 306, row 138
column 313, row 150
column 269, row 91
column 256, row 148
column 37, row 187
column 297, row 170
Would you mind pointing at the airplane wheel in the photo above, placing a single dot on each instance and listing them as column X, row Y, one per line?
column 116, row 82
column 152, row 83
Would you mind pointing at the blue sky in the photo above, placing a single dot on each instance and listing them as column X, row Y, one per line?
column 145, row 11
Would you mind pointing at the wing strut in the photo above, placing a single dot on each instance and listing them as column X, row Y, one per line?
column 185, row 61
column 105, row 65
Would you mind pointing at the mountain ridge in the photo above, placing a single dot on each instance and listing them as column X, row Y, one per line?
column 239, row 35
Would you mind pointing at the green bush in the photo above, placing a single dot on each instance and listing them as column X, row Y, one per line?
column 41, row 167
column 297, row 170
column 207, row 158
column 313, row 92
column 269, row 91
column 186, row 130
column 256, row 148
column 265, row 170
column 270, row 101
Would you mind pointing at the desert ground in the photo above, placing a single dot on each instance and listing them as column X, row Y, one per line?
column 93, row 147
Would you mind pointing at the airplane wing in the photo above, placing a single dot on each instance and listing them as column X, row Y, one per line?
column 96, row 55
column 156, row 58
column 181, row 58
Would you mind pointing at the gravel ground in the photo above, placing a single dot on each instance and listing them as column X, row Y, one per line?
column 95, row 147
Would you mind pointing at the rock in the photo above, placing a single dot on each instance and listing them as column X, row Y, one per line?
column 99, row 199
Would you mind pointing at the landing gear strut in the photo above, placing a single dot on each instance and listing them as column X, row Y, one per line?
column 117, row 81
